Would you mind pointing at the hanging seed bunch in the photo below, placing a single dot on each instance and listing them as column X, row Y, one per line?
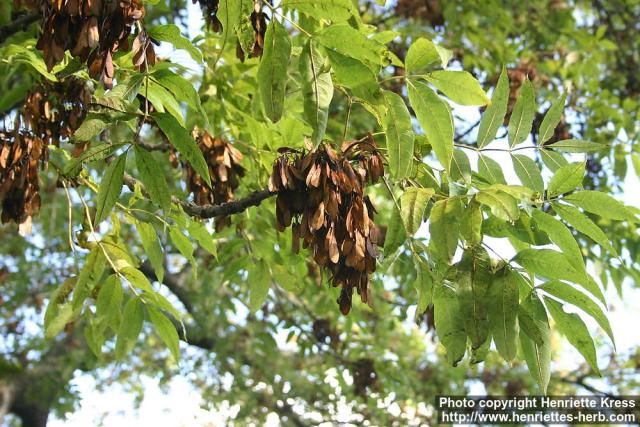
column 259, row 23
column 225, row 172
column 55, row 110
column 20, row 156
column 51, row 112
column 93, row 30
column 210, row 12
column 321, row 195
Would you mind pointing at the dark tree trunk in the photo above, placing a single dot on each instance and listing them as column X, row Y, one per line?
column 32, row 414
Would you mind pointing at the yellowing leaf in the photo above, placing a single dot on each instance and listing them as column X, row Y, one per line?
column 414, row 202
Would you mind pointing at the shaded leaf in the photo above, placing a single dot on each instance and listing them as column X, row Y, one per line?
column 503, row 310
column 166, row 331
column 444, row 228
column 449, row 324
column 317, row 89
column 130, row 327
column 272, row 73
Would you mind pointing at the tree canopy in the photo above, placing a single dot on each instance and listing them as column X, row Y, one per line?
column 308, row 206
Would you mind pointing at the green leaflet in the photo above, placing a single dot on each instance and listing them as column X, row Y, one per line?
column 552, row 160
column 89, row 129
column 490, row 170
column 554, row 265
column 162, row 99
column 423, row 285
column 171, row 33
column 528, row 172
column 137, row 279
column 259, row 280
column 566, row 178
column 110, row 188
column 272, row 73
column 574, row 329
column 399, row 135
column 460, row 167
column 180, row 138
column 130, row 327
column 59, row 311
column 535, row 339
column 421, row 54
column 109, row 303
column 317, row 89
column 444, row 228
column 350, row 42
column 165, row 330
column 568, row 293
column 521, row 119
column 459, row 86
column 335, row 10
column 87, row 279
column 600, row 204
column 184, row 246
column 584, row 225
column 551, row 120
column 494, row 114
column 153, row 178
column 413, row 204
column 503, row 295
column 578, row 146
column 561, row 236
column 472, row 283
column 434, row 115
column 182, row 89
column 471, row 223
column 199, row 231
column 93, row 154
column 448, row 322
column 152, row 247
column 355, row 75
column 396, row 234
column 502, row 205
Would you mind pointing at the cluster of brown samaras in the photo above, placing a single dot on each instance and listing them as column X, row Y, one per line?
column 51, row 112
column 322, row 194
column 210, row 12
column 93, row 30
column 225, row 172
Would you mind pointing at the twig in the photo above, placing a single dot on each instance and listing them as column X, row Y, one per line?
column 19, row 24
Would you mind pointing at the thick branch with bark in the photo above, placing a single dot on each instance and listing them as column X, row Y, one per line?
column 19, row 24
column 210, row 211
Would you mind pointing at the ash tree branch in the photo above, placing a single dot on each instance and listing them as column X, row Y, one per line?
column 210, row 211
column 19, row 24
